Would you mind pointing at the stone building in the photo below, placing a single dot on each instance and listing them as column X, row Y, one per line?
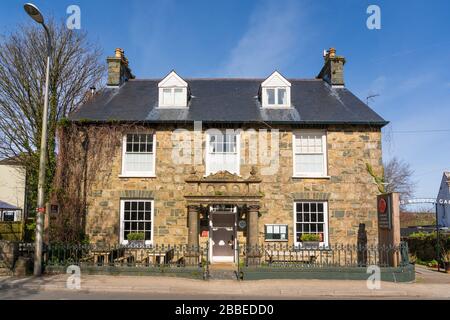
column 249, row 160
column 12, row 199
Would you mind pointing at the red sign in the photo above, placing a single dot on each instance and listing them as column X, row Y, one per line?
column 384, row 211
column 40, row 210
column 382, row 205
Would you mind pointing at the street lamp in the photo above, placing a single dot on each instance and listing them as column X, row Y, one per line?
column 36, row 15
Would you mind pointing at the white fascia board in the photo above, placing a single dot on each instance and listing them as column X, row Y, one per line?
column 172, row 80
column 276, row 80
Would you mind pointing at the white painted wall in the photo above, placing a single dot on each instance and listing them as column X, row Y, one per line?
column 12, row 185
column 443, row 207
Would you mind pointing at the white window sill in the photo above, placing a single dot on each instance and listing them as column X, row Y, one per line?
column 147, row 243
column 276, row 240
column 171, row 107
column 137, row 176
column 322, row 245
column 276, row 107
column 311, row 177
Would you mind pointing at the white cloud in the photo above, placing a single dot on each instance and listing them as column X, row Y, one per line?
column 270, row 42
column 395, row 87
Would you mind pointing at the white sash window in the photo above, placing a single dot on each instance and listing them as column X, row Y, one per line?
column 138, row 155
column 311, row 218
column 136, row 216
column 222, row 153
column 310, row 156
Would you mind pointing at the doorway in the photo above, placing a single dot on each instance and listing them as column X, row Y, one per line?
column 223, row 233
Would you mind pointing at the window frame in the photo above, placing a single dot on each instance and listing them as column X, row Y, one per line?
column 207, row 154
column 279, row 225
column 266, row 103
column 138, row 174
column 122, row 222
column 325, row 241
column 173, row 103
column 10, row 213
column 300, row 174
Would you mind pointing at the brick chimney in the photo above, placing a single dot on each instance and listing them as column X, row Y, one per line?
column 333, row 69
column 118, row 70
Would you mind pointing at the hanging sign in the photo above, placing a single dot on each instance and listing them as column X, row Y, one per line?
column 40, row 210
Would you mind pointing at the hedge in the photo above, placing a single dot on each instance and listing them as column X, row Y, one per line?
column 423, row 245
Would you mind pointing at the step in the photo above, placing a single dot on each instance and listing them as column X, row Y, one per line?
column 222, row 275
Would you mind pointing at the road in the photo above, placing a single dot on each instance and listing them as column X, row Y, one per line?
column 429, row 285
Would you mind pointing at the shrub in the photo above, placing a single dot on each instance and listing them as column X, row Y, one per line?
column 135, row 236
column 423, row 245
column 310, row 237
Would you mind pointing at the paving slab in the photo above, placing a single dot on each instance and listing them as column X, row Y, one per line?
column 430, row 285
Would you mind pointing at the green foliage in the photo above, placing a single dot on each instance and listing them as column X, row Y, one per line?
column 379, row 180
column 421, row 235
column 30, row 230
column 432, row 263
column 423, row 246
column 310, row 237
column 112, row 121
column 136, row 236
column 64, row 122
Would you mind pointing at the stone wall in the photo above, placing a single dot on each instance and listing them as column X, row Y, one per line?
column 9, row 252
column 350, row 190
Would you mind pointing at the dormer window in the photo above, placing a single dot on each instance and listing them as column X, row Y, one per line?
column 172, row 97
column 276, row 96
column 275, row 92
column 173, row 92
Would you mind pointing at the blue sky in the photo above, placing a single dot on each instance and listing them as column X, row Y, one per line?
column 407, row 62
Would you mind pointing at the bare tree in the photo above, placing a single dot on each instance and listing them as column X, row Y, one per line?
column 75, row 66
column 398, row 178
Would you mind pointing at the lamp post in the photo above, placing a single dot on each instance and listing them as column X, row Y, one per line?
column 36, row 15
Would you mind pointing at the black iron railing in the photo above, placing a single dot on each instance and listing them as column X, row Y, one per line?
column 180, row 256
column 283, row 255
column 125, row 256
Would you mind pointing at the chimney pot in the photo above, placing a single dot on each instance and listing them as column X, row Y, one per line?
column 332, row 53
column 119, row 53
column 118, row 69
column 333, row 69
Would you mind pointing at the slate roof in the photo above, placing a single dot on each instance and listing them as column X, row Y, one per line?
column 229, row 100
column 7, row 206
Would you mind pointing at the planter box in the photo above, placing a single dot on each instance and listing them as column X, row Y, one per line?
column 136, row 243
column 310, row 244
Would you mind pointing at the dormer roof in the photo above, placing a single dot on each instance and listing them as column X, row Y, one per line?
column 172, row 80
column 276, row 80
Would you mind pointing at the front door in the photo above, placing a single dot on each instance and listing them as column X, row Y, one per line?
column 223, row 236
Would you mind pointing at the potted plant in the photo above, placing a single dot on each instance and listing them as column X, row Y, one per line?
column 310, row 240
column 136, row 239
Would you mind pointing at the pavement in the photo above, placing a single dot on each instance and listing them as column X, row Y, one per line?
column 429, row 284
